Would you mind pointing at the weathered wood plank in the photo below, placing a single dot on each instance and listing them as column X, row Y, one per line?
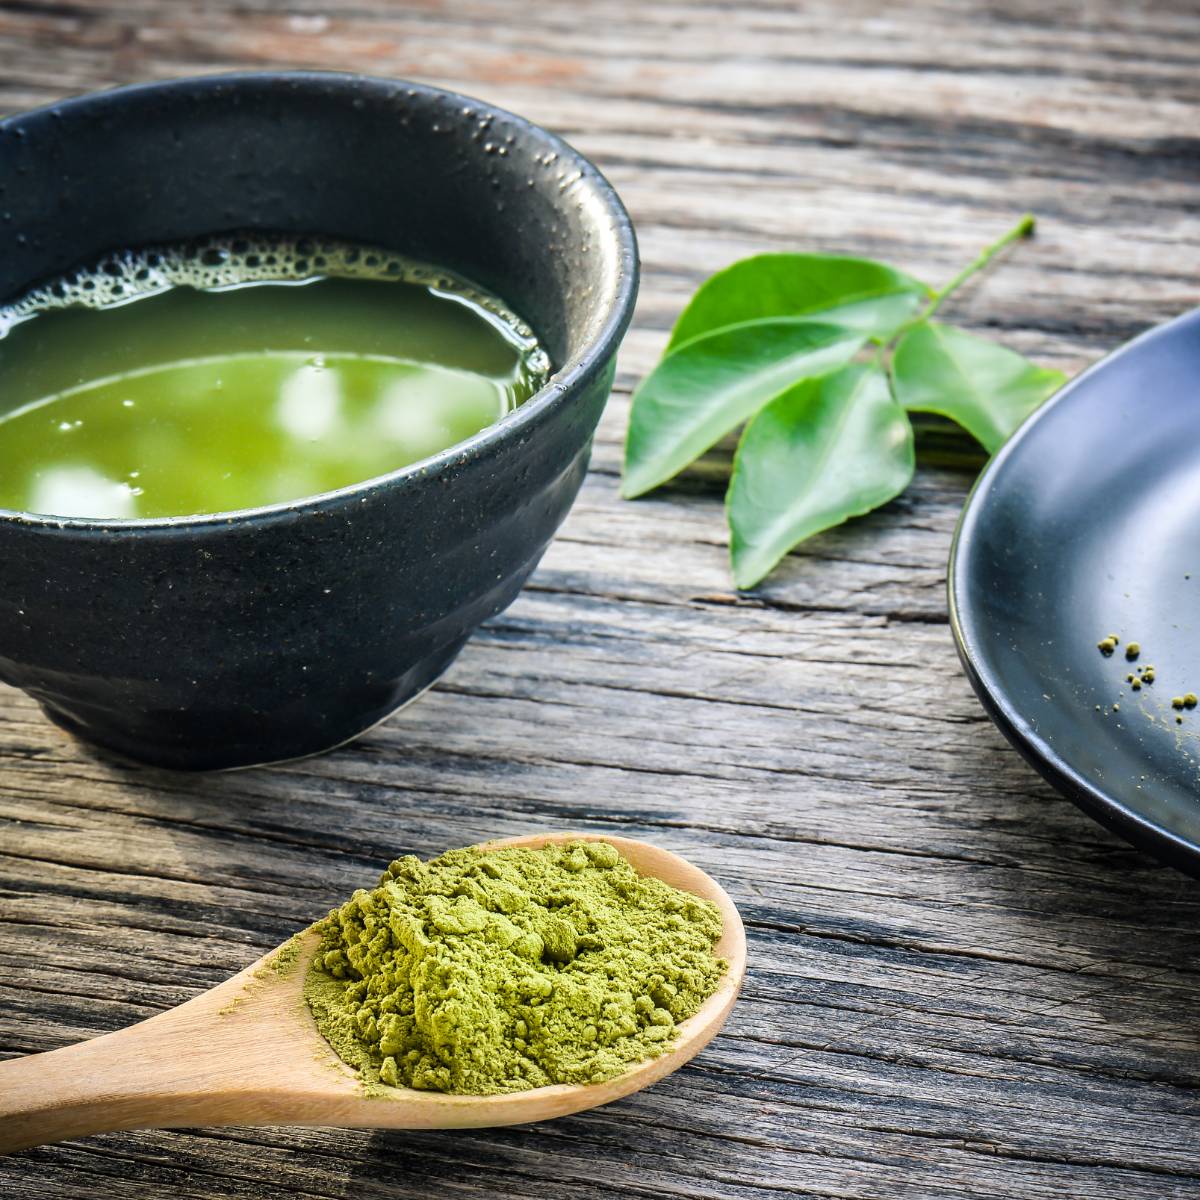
column 959, row 987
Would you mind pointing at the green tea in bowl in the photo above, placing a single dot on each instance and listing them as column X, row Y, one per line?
column 241, row 373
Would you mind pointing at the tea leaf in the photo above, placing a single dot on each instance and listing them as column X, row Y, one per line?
column 701, row 391
column 770, row 339
column 985, row 388
column 826, row 450
column 854, row 292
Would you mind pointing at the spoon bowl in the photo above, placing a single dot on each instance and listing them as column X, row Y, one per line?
column 248, row 1052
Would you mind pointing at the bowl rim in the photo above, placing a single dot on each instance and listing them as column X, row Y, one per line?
column 580, row 369
column 1100, row 804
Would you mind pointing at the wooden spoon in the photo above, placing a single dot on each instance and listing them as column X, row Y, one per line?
column 248, row 1053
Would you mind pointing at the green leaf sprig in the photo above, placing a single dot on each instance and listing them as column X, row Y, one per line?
column 821, row 357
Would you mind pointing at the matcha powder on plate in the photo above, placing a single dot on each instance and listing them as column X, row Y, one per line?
column 489, row 971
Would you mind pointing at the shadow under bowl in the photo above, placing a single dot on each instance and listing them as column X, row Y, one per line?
column 250, row 637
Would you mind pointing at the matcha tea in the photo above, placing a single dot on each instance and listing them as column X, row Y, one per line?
column 236, row 374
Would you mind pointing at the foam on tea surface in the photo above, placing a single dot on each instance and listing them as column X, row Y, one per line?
column 235, row 260
column 237, row 372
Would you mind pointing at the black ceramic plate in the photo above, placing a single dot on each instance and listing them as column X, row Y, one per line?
column 1087, row 523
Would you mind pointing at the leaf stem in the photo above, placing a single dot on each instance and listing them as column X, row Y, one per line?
column 1023, row 228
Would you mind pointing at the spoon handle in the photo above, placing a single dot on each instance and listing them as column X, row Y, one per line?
column 111, row 1082
column 188, row 1066
column 234, row 1055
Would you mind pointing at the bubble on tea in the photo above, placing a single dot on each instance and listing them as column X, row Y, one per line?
column 233, row 260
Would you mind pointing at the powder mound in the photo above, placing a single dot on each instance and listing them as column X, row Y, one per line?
column 483, row 972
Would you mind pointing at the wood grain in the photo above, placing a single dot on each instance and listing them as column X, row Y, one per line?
column 958, row 986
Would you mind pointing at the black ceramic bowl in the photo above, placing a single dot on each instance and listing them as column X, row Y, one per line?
column 1088, row 522
column 221, row 641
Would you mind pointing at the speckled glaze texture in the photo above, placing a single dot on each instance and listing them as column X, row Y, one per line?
column 225, row 641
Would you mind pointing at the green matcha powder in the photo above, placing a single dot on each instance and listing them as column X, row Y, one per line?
column 483, row 972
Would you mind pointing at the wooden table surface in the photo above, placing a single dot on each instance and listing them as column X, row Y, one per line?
column 959, row 986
